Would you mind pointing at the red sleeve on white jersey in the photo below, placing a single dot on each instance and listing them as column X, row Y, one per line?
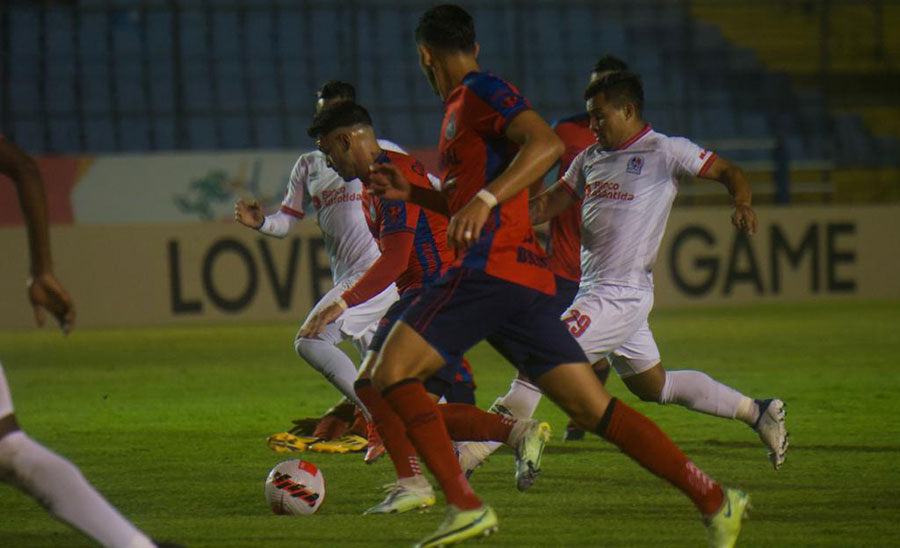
column 686, row 157
column 297, row 198
column 573, row 179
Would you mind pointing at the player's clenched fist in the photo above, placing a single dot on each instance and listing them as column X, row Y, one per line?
column 465, row 227
column 316, row 323
column 388, row 182
column 248, row 213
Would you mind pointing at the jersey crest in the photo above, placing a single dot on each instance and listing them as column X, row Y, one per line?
column 450, row 127
column 635, row 165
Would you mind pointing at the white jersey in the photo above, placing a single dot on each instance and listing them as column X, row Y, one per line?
column 337, row 203
column 628, row 193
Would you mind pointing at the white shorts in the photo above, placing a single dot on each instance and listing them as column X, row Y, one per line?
column 357, row 323
column 6, row 406
column 610, row 321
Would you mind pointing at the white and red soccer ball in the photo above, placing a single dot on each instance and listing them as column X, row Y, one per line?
column 295, row 487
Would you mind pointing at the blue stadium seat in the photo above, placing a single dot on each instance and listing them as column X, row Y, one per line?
column 297, row 132
column 201, row 133
column 854, row 143
column 229, row 84
column 99, row 133
column 888, row 149
column 64, row 134
column 163, row 132
column 197, row 88
column 752, row 125
column 268, row 132
column 393, row 86
column 234, row 131
column 134, row 132
column 796, row 148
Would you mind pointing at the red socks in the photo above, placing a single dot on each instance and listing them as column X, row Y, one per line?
column 640, row 438
column 465, row 422
column 425, row 428
column 390, row 428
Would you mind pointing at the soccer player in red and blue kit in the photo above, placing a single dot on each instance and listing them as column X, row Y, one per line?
column 413, row 242
column 501, row 289
column 564, row 250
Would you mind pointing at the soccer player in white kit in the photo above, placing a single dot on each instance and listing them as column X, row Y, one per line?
column 627, row 181
column 350, row 246
column 52, row 480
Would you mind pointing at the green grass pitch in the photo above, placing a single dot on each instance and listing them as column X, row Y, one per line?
column 170, row 424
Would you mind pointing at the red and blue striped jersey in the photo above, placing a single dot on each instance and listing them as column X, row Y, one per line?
column 430, row 256
column 474, row 150
column 564, row 244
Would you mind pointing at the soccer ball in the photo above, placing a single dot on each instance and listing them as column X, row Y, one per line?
column 295, row 487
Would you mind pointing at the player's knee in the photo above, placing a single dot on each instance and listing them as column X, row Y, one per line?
column 384, row 375
column 8, row 425
column 26, row 459
column 306, row 348
column 586, row 421
column 647, row 393
column 648, row 384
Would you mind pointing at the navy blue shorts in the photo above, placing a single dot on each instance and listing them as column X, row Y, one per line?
column 452, row 381
column 566, row 290
column 467, row 305
column 453, row 392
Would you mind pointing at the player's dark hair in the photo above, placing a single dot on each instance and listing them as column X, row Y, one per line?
column 342, row 114
column 447, row 27
column 619, row 88
column 609, row 63
column 336, row 89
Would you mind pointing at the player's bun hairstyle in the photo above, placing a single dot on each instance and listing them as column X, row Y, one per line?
column 619, row 88
column 447, row 27
column 609, row 63
column 336, row 89
column 343, row 114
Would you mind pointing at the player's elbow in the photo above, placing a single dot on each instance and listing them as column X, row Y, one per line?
column 19, row 167
column 734, row 172
column 555, row 146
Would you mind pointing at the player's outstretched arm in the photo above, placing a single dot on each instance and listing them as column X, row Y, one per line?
column 549, row 203
column 735, row 180
column 396, row 248
column 388, row 182
column 44, row 290
column 248, row 213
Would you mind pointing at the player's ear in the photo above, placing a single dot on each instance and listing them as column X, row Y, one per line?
column 424, row 55
column 344, row 140
column 477, row 49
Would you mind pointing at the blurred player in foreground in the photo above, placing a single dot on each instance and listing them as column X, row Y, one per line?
column 502, row 288
column 52, row 480
column 351, row 250
column 627, row 181
column 413, row 243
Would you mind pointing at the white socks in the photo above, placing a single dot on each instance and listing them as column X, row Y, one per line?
column 698, row 391
column 415, row 483
column 333, row 364
column 521, row 400
column 59, row 486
